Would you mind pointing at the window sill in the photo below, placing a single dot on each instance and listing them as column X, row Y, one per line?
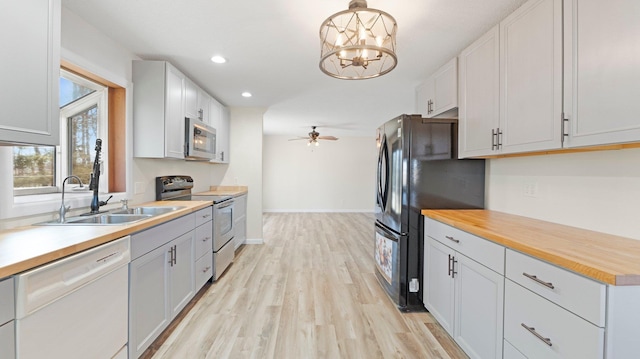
column 32, row 205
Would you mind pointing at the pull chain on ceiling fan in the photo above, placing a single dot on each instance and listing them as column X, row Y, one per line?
column 313, row 137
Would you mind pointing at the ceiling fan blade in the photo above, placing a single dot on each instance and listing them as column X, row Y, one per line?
column 330, row 138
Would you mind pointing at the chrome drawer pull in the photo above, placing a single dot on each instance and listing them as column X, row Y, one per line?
column 532, row 330
column 536, row 279
column 452, row 239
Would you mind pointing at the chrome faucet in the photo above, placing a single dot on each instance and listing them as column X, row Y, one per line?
column 63, row 210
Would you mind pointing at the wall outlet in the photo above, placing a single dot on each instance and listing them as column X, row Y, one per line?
column 139, row 188
column 530, row 189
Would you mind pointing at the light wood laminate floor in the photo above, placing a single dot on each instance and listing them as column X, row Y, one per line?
column 309, row 292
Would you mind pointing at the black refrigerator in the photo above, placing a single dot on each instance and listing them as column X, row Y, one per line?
column 417, row 169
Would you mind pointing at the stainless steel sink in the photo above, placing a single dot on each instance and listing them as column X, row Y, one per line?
column 110, row 219
column 121, row 216
column 100, row 219
column 152, row 211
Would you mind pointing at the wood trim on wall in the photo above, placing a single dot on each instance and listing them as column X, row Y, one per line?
column 117, row 126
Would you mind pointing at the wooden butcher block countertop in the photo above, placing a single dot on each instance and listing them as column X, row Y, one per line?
column 233, row 191
column 607, row 258
column 31, row 246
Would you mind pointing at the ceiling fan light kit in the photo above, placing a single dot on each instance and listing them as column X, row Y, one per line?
column 314, row 136
column 358, row 43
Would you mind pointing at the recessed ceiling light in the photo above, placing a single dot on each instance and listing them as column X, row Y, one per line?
column 246, row 94
column 218, row 59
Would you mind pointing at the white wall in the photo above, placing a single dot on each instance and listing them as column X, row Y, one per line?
column 336, row 176
column 245, row 164
column 594, row 190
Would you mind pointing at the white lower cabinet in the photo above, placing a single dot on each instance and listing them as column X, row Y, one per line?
column 203, row 247
column 498, row 302
column 7, row 315
column 541, row 329
column 162, row 280
column 478, row 308
column 465, row 296
column 240, row 221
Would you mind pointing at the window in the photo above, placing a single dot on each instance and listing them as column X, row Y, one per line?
column 83, row 119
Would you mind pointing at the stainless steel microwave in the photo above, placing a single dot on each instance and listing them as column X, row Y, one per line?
column 200, row 140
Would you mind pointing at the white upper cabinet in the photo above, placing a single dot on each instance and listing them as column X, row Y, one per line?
column 215, row 113
column 523, row 56
column 439, row 94
column 223, row 133
column 204, row 104
column 30, row 58
column 602, row 72
column 158, row 110
column 479, row 111
column 531, row 78
column 190, row 99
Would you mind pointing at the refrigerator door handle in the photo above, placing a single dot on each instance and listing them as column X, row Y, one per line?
column 383, row 164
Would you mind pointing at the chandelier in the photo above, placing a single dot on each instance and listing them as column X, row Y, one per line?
column 359, row 43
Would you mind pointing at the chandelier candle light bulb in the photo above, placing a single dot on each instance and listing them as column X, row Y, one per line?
column 348, row 37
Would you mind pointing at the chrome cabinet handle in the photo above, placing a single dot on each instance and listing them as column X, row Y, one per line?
column 175, row 255
column 538, row 280
column 171, row 256
column 452, row 266
column 206, row 239
column 206, row 215
column 499, row 137
column 452, row 239
column 532, row 330
column 494, row 134
column 206, row 269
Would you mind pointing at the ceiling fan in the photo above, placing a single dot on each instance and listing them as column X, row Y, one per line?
column 313, row 137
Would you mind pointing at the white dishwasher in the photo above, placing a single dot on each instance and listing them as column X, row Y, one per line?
column 76, row 307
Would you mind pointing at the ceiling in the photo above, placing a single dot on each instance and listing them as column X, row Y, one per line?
column 272, row 49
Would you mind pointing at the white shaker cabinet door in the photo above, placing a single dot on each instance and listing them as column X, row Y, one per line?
column 30, row 58
column 479, row 302
column 182, row 274
column 531, row 78
column 148, row 301
column 479, row 84
column 439, row 285
column 174, row 115
column 602, row 72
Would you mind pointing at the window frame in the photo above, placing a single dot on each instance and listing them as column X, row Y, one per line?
column 100, row 98
column 24, row 210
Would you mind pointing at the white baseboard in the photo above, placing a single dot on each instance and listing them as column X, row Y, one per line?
column 318, row 211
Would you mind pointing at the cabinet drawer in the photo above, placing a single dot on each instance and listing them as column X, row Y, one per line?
column 7, row 305
column 580, row 295
column 150, row 239
column 479, row 249
column 204, row 215
column 204, row 270
column 204, row 239
column 567, row 335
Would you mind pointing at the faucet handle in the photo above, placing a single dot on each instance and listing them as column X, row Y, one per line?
column 125, row 203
